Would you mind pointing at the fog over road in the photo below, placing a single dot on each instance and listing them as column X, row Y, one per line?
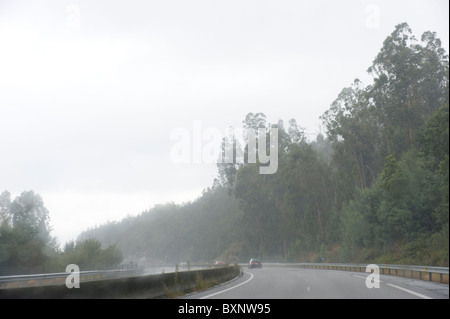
column 296, row 283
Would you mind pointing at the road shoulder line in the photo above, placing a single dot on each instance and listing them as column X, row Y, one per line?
column 400, row 288
column 228, row 289
column 409, row 291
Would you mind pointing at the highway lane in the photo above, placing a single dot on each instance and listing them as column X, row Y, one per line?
column 296, row 283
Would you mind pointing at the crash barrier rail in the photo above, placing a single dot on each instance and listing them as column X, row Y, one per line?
column 428, row 273
column 34, row 280
column 107, row 286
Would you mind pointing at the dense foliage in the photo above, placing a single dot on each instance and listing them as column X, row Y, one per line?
column 375, row 189
column 26, row 245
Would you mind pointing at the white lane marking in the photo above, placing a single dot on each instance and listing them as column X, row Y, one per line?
column 366, row 278
column 242, row 283
column 401, row 288
column 410, row 292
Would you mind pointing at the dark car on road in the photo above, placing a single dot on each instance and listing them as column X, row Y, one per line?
column 254, row 263
column 220, row 263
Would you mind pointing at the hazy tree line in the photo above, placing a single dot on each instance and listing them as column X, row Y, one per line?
column 373, row 188
column 377, row 186
column 26, row 244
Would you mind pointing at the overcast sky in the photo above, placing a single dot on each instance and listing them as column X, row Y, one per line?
column 91, row 91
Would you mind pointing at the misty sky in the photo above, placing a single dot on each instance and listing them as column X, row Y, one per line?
column 90, row 91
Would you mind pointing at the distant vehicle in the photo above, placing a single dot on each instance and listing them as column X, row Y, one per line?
column 220, row 263
column 254, row 263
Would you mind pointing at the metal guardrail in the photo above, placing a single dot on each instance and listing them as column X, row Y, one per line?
column 428, row 273
column 138, row 285
column 49, row 279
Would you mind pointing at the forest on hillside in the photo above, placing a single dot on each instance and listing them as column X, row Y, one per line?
column 26, row 244
column 373, row 188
